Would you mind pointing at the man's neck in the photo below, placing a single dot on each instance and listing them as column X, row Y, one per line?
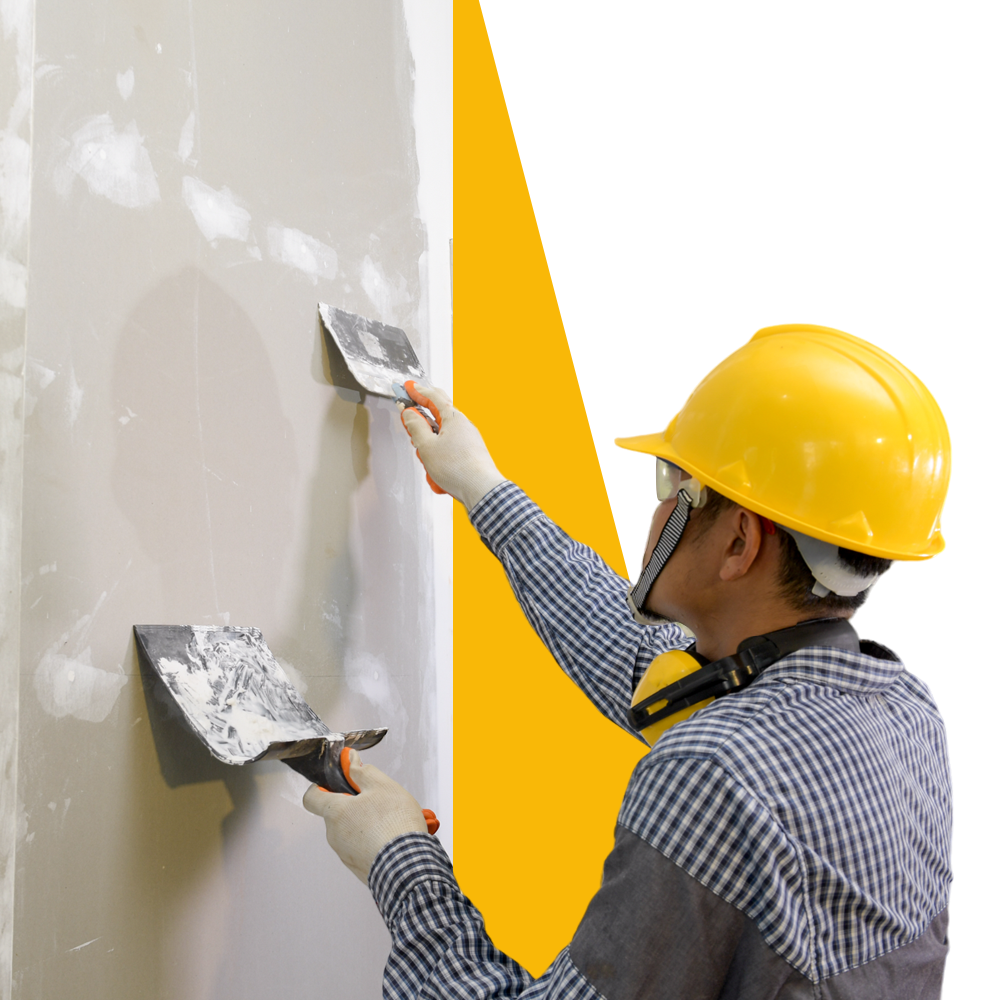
column 720, row 636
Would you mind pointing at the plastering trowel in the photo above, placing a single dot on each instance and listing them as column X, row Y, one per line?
column 370, row 357
column 241, row 704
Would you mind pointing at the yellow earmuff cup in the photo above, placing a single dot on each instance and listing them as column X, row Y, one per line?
column 666, row 669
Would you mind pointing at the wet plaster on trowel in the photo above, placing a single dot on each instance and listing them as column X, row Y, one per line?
column 236, row 695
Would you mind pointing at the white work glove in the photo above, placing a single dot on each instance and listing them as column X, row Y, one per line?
column 456, row 459
column 359, row 826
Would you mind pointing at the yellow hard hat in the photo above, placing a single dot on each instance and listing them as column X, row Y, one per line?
column 822, row 432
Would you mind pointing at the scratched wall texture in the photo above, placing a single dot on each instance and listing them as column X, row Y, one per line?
column 201, row 174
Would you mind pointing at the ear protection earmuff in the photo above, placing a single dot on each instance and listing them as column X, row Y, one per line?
column 679, row 682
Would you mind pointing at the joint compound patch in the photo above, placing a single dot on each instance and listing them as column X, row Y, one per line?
column 217, row 213
column 74, row 686
column 303, row 252
column 115, row 165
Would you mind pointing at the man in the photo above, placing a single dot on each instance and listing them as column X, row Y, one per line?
column 788, row 834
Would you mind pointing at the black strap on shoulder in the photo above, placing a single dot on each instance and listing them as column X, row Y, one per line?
column 752, row 657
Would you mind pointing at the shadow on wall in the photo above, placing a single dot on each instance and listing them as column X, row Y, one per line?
column 205, row 462
column 205, row 471
column 327, row 580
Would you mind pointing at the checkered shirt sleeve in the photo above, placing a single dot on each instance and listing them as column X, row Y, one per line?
column 440, row 949
column 573, row 600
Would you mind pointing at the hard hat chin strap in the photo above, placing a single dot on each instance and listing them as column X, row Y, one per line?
column 665, row 546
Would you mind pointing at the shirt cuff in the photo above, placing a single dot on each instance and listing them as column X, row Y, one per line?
column 402, row 865
column 501, row 514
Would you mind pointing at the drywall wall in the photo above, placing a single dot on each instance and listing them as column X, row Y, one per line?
column 201, row 175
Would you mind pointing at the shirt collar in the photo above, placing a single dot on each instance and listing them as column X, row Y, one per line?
column 853, row 673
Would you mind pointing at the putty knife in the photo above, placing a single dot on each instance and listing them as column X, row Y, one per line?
column 240, row 703
column 372, row 357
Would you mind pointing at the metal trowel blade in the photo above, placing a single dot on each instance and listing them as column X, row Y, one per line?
column 237, row 698
column 369, row 355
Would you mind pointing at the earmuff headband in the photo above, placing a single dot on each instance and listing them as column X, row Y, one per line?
column 752, row 657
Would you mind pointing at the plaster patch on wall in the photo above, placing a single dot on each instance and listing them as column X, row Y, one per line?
column 303, row 252
column 15, row 183
column 386, row 295
column 15, row 201
column 13, row 282
column 217, row 213
column 126, row 82
column 15, row 158
column 70, row 684
column 74, row 399
column 367, row 676
column 115, row 165
column 185, row 146
column 74, row 686
column 37, row 378
column 12, row 362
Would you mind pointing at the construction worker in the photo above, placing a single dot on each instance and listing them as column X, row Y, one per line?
column 788, row 834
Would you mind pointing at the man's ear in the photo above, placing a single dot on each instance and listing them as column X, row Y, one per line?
column 743, row 542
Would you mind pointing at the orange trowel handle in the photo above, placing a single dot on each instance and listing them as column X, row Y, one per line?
column 433, row 823
column 422, row 401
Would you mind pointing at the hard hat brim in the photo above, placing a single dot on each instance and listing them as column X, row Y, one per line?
column 657, row 444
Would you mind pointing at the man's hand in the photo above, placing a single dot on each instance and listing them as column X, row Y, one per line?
column 456, row 459
column 359, row 826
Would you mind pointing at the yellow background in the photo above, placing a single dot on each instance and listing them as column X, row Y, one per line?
column 659, row 153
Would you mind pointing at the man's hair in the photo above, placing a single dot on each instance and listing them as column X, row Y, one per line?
column 795, row 579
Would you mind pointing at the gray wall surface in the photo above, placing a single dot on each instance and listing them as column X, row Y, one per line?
column 201, row 174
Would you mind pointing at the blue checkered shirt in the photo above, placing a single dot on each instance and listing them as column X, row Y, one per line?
column 816, row 801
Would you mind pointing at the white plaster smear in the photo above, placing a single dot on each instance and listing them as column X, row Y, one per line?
column 125, row 81
column 302, row 251
column 16, row 17
column 37, row 378
column 74, row 399
column 386, row 295
column 13, row 282
column 185, row 147
column 115, row 165
column 366, row 675
column 217, row 213
column 84, row 945
column 74, row 686
column 15, row 184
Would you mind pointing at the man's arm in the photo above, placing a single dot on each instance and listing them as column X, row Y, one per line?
column 651, row 930
column 572, row 598
column 440, row 948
